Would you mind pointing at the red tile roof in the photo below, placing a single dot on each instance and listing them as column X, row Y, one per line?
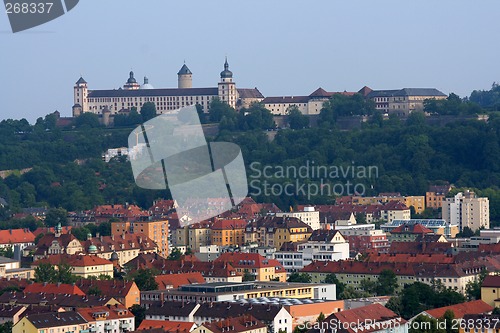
column 246, row 260
column 77, row 260
column 53, row 288
column 234, row 325
column 229, row 224
column 460, row 310
column 14, row 236
column 491, row 281
column 167, row 325
column 411, row 229
column 117, row 311
column 176, row 280
column 112, row 288
column 44, row 230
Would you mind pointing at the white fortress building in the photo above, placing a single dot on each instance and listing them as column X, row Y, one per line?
column 166, row 99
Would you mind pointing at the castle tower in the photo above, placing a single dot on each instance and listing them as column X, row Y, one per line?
column 131, row 83
column 184, row 78
column 80, row 92
column 227, row 88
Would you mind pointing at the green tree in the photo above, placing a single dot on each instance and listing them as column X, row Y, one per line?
column 219, row 109
column 148, row 111
column 175, row 254
column 424, row 324
column 45, row 273
column 299, row 277
column 55, row 216
column 87, row 120
column 6, row 327
column 387, row 283
column 145, row 279
column 321, row 317
column 296, row 119
column 449, row 320
column 247, row 276
column 94, row 290
column 473, row 288
column 340, row 286
column 139, row 312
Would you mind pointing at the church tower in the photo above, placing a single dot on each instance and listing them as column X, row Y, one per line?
column 184, row 78
column 80, row 92
column 227, row 88
column 131, row 83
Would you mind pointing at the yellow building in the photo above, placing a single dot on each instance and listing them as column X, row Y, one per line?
column 83, row 266
column 155, row 230
column 52, row 322
column 228, row 232
column 490, row 290
column 273, row 231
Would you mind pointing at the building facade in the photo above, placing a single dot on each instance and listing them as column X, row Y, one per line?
column 467, row 210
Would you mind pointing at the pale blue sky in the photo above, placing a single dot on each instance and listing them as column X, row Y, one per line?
column 282, row 47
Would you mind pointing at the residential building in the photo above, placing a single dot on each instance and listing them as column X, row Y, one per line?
column 44, row 302
column 435, row 196
column 322, row 245
column 52, row 322
column 53, row 288
column 228, row 232
column 10, row 268
column 125, row 292
column 83, row 266
column 193, row 236
column 395, row 210
column 274, row 231
column 243, row 324
column 208, row 252
column 165, row 100
column 437, row 226
column 417, row 202
column 104, row 319
column 363, row 238
column 467, row 210
column 125, row 213
column 460, row 310
column 370, row 318
column 452, row 271
column 157, row 231
column 490, row 290
column 170, row 326
column 309, row 216
column 230, row 291
column 408, row 233
column 57, row 243
column 122, row 248
column 11, row 313
column 16, row 237
column 168, row 281
column 211, row 271
column 252, row 263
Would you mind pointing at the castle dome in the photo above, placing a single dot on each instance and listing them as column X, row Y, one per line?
column 114, row 256
column 226, row 73
column 92, row 248
column 146, row 84
column 131, row 78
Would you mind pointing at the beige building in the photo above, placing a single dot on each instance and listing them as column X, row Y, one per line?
column 135, row 95
column 467, row 210
column 309, row 216
column 402, row 102
column 193, row 236
column 83, row 266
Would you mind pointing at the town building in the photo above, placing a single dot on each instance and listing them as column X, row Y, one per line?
column 228, row 232
column 44, row 302
column 125, row 292
column 211, row 271
column 170, row 326
column 229, row 291
column 459, row 310
column 57, row 243
column 372, row 318
column 104, row 319
column 274, row 231
column 467, row 210
column 479, row 323
column 167, row 281
column 243, row 324
column 308, row 215
column 11, row 313
column 254, row 264
column 53, row 288
column 417, row 202
column 437, row 226
column 193, row 236
column 133, row 95
column 16, row 237
column 451, row 271
column 83, row 266
column 10, row 268
column 408, row 232
column 322, row 245
column 52, row 322
column 435, row 196
column 490, row 290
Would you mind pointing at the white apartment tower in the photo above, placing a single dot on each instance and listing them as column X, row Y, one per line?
column 467, row 210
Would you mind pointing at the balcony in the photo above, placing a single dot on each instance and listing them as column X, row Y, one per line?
column 125, row 326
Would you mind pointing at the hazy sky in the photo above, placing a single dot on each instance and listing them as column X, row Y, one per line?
column 282, row 47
